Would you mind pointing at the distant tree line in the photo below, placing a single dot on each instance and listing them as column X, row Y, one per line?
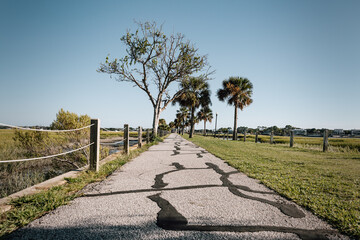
column 264, row 130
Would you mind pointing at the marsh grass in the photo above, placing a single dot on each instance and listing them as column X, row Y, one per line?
column 28, row 208
column 20, row 175
column 327, row 183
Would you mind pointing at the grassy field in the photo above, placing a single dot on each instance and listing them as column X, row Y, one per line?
column 326, row 183
column 339, row 144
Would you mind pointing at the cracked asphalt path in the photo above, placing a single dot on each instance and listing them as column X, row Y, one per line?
column 177, row 190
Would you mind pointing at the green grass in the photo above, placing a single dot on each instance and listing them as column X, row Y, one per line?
column 28, row 208
column 327, row 183
column 309, row 142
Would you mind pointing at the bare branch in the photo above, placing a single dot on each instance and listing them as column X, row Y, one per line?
column 157, row 59
column 175, row 96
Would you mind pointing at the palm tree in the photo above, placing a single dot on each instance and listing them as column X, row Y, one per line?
column 237, row 91
column 172, row 125
column 177, row 124
column 205, row 114
column 195, row 93
column 182, row 115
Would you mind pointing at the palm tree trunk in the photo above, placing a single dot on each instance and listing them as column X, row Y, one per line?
column 235, row 124
column 204, row 128
column 192, row 122
column 182, row 128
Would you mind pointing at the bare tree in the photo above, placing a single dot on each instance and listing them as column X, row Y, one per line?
column 153, row 62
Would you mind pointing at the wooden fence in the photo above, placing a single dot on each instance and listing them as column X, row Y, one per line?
column 225, row 136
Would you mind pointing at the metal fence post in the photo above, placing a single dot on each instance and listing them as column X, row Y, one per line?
column 291, row 138
column 256, row 136
column 147, row 136
column 140, row 137
column 126, row 139
column 326, row 142
column 95, row 147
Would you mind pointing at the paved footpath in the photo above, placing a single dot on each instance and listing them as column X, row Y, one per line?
column 177, row 190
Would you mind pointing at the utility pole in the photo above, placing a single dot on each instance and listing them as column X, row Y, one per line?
column 215, row 124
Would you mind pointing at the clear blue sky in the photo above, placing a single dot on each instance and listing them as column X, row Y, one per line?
column 303, row 58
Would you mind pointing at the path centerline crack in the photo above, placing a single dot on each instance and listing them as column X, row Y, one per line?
column 169, row 218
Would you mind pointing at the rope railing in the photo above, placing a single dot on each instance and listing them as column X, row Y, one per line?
column 94, row 144
column 44, row 130
column 45, row 157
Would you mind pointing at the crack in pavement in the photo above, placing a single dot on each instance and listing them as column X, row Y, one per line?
column 287, row 209
column 175, row 153
column 150, row 190
column 169, row 218
column 159, row 183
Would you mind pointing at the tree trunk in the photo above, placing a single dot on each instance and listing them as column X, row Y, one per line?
column 192, row 122
column 235, row 124
column 156, row 121
column 204, row 128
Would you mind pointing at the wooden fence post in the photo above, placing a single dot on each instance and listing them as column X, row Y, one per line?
column 291, row 138
column 245, row 135
column 95, row 147
column 126, row 139
column 326, row 142
column 256, row 136
column 272, row 137
column 147, row 136
column 140, row 137
column 227, row 135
